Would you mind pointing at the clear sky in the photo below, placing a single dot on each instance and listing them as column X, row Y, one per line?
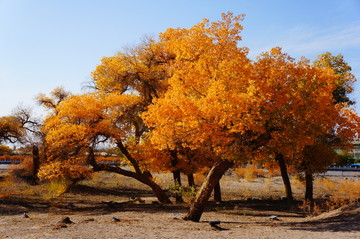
column 49, row 43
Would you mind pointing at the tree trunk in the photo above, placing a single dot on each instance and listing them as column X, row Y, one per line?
column 157, row 190
column 203, row 195
column 284, row 174
column 142, row 176
column 176, row 176
column 36, row 164
column 191, row 181
column 217, row 193
column 177, row 185
column 309, row 189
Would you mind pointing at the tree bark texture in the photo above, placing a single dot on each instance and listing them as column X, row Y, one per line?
column 285, row 176
column 191, row 181
column 177, row 185
column 203, row 195
column 142, row 176
column 309, row 187
column 176, row 176
column 36, row 163
column 157, row 190
column 217, row 192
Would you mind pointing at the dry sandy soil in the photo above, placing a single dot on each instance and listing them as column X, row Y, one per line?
column 92, row 217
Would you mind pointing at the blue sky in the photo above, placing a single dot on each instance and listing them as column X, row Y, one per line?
column 49, row 43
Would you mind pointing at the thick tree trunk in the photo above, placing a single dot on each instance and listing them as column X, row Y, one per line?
column 203, row 195
column 177, row 185
column 142, row 176
column 284, row 174
column 176, row 176
column 157, row 190
column 191, row 181
column 309, row 187
column 217, row 193
column 36, row 164
column 309, row 190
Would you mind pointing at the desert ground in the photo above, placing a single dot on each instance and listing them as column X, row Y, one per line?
column 102, row 208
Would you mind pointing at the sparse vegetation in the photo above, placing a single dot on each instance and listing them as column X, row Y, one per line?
column 112, row 193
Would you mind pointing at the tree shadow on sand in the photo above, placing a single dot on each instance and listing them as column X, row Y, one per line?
column 345, row 219
column 89, row 200
column 119, row 191
column 18, row 206
column 260, row 208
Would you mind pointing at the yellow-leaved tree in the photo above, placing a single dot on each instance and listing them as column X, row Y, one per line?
column 242, row 110
column 124, row 85
column 195, row 99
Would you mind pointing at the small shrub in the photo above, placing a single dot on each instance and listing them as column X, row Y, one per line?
column 187, row 193
column 334, row 203
column 311, row 208
column 55, row 189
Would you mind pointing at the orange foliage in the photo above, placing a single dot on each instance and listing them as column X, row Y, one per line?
column 70, row 169
column 205, row 86
column 196, row 93
column 126, row 84
column 218, row 98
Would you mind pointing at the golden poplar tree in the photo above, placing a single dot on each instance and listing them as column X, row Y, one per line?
column 218, row 98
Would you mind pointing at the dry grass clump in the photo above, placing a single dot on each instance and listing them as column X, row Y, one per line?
column 333, row 194
column 338, row 193
column 55, row 189
column 249, row 172
column 312, row 208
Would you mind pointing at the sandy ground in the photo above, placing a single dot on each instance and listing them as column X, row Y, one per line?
column 91, row 217
column 167, row 223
